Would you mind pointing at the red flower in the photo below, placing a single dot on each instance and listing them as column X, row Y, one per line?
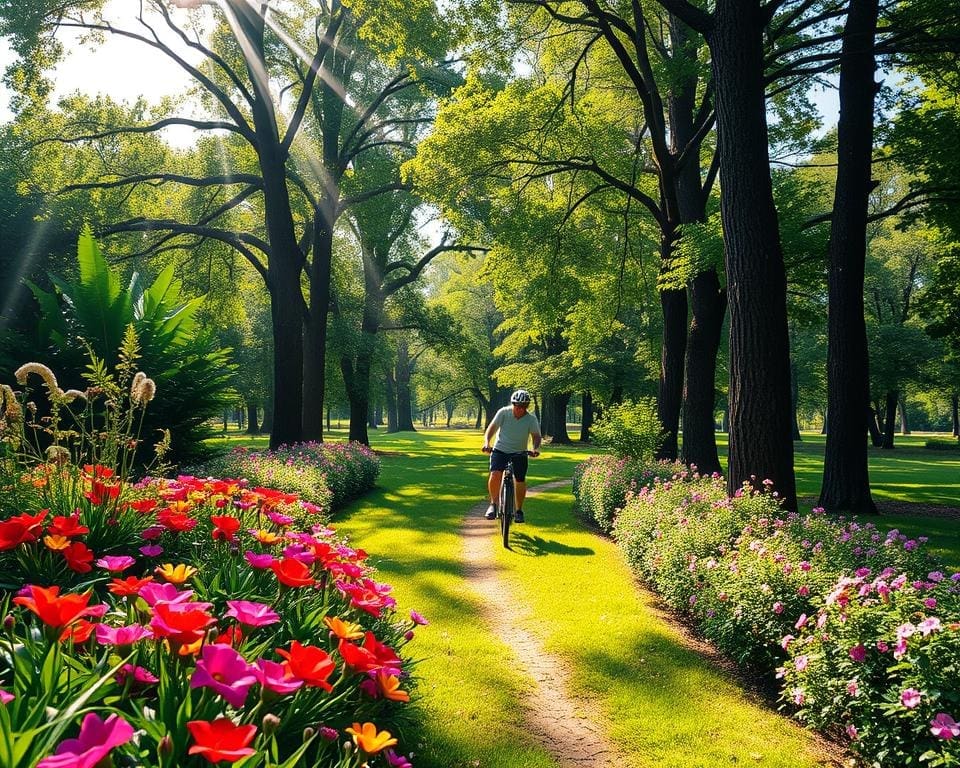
column 101, row 493
column 372, row 656
column 13, row 533
column 67, row 526
column 225, row 527
column 97, row 470
column 79, row 632
column 181, row 623
column 128, row 587
column 309, row 663
column 78, row 556
column 54, row 610
column 221, row 739
column 142, row 505
column 231, row 636
column 175, row 520
column 292, row 573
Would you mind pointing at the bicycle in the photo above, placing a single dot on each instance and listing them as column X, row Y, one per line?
column 507, row 506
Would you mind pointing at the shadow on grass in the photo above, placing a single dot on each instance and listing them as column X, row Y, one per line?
column 537, row 546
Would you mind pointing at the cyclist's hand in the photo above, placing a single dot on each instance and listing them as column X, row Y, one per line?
column 487, row 449
column 534, row 453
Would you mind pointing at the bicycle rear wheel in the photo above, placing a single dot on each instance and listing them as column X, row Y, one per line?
column 507, row 507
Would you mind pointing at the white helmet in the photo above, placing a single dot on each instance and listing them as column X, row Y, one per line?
column 520, row 397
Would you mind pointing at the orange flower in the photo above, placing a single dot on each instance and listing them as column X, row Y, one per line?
column 390, row 687
column 175, row 574
column 54, row 610
column 128, row 587
column 366, row 738
column 292, row 573
column 266, row 537
column 179, row 507
column 342, row 629
column 56, row 542
column 79, row 632
column 309, row 663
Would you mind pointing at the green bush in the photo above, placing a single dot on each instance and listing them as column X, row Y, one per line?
column 630, row 429
column 942, row 445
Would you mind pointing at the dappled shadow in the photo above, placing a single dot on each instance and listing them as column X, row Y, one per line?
column 537, row 546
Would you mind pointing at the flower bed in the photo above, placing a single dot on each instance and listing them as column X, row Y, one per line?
column 861, row 625
column 326, row 474
column 187, row 621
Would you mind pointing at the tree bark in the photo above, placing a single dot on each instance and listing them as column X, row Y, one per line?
column 873, row 426
column 708, row 304
column 391, row 395
column 795, row 400
column 673, row 304
column 760, row 445
column 404, row 371
column 846, row 477
column 586, row 423
column 253, row 428
column 904, row 423
column 553, row 420
column 315, row 328
column 955, row 408
column 890, row 419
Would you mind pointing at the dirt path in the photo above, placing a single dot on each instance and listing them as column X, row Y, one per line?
column 568, row 728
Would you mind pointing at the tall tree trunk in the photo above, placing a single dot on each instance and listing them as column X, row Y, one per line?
column 371, row 415
column 404, row 404
column 586, row 423
column 890, row 419
column 760, row 445
column 253, row 428
column 955, row 408
column 553, row 420
column 708, row 303
column 825, row 426
column 673, row 304
column 391, row 395
column 846, row 477
column 874, row 424
column 315, row 328
column 904, row 423
column 450, row 406
column 267, row 425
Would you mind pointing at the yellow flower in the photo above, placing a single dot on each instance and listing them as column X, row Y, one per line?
column 176, row 574
column 56, row 542
column 266, row 537
column 366, row 737
column 342, row 629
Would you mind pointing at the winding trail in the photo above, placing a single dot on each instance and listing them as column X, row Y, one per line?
column 567, row 727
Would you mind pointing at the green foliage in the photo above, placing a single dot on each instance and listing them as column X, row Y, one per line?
column 603, row 484
column 630, row 429
column 942, row 445
column 95, row 310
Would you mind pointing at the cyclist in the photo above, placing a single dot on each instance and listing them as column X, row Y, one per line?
column 514, row 427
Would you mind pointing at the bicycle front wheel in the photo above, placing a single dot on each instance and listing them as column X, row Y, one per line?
column 507, row 507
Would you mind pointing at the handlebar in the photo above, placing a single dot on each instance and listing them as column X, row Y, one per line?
column 534, row 454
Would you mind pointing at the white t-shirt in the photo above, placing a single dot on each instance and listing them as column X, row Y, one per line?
column 514, row 433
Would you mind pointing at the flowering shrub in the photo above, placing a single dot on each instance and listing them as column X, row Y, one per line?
column 326, row 474
column 603, row 483
column 792, row 593
column 183, row 622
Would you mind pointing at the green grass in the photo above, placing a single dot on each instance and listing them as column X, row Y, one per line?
column 665, row 704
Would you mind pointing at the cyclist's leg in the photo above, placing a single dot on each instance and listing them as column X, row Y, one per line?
column 521, row 491
column 493, row 488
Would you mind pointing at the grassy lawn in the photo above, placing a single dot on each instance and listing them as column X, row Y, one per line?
column 665, row 703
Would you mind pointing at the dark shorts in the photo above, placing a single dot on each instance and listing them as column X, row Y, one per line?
column 499, row 459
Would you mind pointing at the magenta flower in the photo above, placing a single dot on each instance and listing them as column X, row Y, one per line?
column 328, row 734
column 942, row 726
column 225, row 671
column 153, row 532
column 801, row 663
column 280, row 519
column 786, row 640
column 416, row 618
column 910, row 698
column 122, row 635
column 273, row 677
column 778, row 607
column 801, row 621
column 138, row 676
column 151, row 550
column 852, row 732
column 397, row 761
column 94, row 742
column 154, row 593
column 928, row 625
column 115, row 563
column 6, row 697
column 853, row 688
column 858, row 652
column 252, row 614
column 261, row 562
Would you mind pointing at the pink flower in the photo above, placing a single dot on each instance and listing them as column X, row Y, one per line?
column 94, row 742
column 801, row 621
column 226, row 672
column 121, row 635
column 882, row 646
column 252, row 614
column 853, row 688
column 151, row 550
column 928, row 625
column 276, row 677
column 942, row 726
column 115, row 563
column 261, row 562
column 801, row 663
column 930, row 603
column 785, row 642
column 778, row 607
column 280, row 519
column 6, row 697
column 139, row 676
column 910, row 698
column 154, row 593
column 858, row 652
column 416, row 618
column 852, row 732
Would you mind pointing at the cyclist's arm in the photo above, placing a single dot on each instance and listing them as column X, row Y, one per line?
column 488, row 436
column 537, row 439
